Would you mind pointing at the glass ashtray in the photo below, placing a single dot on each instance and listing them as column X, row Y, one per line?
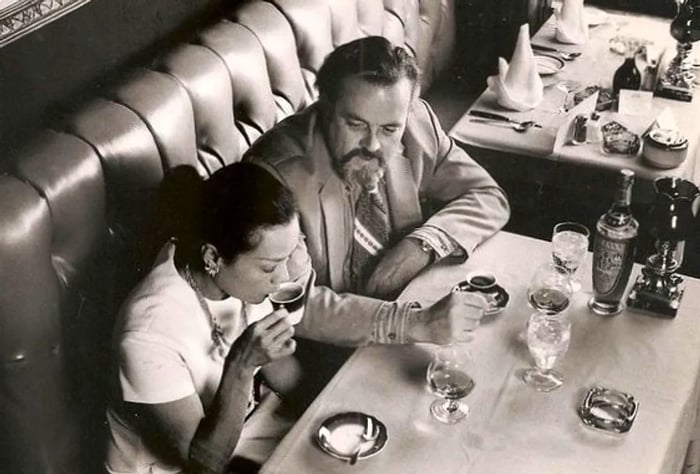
column 608, row 410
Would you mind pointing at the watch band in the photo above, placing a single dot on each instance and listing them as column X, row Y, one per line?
column 427, row 248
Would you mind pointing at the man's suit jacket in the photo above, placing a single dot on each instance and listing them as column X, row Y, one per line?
column 431, row 173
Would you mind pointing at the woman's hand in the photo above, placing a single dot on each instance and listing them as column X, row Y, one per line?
column 264, row 341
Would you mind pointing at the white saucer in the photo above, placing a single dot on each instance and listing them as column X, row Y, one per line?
column 340, row 435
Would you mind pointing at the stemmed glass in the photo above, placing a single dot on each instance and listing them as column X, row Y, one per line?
column 448, row 378
column 548, row 330
column 569, row 247
column 550, row 288
column 547, row 339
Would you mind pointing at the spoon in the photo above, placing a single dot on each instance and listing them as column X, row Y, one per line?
column 516, row 125
column 563, row 54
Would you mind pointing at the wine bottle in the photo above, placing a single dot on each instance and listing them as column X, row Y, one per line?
column 613, row 249
column 627, row 76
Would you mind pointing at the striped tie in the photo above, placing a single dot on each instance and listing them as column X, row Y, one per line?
column 370, row 235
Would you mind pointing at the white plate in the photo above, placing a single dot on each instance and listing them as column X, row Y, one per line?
column 341, row 435
column 548, row 64
column 595, row 16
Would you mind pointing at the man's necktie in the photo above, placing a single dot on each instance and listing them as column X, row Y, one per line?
column 370, row 235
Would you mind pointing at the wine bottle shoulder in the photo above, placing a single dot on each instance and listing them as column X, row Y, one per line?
column 618, row 226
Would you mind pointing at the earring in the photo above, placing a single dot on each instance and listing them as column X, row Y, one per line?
column 211, row 268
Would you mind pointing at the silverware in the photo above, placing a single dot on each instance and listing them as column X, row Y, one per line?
column 515, row 124
column 369, row 434
column 566, row 56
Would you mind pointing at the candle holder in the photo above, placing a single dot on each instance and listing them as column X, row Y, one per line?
column 658, row 290
column 677, row 80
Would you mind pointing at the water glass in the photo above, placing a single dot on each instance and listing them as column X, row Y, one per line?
column 569, row 248
column 547, row 339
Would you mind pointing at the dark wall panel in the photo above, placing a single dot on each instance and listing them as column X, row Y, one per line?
column 43, row 73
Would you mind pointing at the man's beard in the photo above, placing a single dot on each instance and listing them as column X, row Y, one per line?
column 362, row 167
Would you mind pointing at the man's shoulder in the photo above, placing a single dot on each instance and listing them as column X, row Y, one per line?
column 288, row 140
column 285, row 149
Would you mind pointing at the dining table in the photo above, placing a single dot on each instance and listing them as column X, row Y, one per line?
column 513, row 428
column 547, row 154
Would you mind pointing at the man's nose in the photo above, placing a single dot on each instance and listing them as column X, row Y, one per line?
column 371, row 141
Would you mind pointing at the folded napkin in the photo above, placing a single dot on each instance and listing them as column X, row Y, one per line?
column 518, row 85
column 572, row 27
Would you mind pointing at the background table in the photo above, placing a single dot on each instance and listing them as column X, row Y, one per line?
column 513, row 428
column 595, row 66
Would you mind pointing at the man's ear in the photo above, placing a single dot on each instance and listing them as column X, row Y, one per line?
column 210, row 255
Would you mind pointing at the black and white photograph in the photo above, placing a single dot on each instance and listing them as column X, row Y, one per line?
column 349, row 236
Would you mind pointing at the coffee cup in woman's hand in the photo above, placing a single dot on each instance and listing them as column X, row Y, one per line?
column 265, row 340
column 290, row 296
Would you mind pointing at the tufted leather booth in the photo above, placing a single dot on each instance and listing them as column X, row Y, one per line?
column 75, row 203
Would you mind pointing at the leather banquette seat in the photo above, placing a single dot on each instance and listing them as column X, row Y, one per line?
column 75, row 203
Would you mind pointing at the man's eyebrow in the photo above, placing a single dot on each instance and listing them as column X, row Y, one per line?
column 351, row 116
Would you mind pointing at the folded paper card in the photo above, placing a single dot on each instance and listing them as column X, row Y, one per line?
column 572, row 27
column 631, row 102
column 518, row 85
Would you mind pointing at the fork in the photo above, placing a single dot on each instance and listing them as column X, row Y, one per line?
column 369, row 434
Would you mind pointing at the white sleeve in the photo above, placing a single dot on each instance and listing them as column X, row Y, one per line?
column 150, row 371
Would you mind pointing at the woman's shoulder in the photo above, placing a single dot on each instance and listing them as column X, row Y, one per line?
column 162, row 294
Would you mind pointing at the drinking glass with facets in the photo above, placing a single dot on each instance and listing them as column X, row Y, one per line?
column 548, row 338
column 448, row 377
column 569, row 247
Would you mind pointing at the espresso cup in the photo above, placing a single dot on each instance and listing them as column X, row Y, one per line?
column 481, row 280
column 290, row 295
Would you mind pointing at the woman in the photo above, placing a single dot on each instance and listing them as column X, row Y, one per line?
column 192, row 335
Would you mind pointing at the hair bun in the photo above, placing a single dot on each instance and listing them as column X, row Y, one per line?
column 179, row 198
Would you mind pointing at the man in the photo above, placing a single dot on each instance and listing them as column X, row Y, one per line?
column 383, row 192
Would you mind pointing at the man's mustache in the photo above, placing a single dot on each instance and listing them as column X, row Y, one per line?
column 362, row 153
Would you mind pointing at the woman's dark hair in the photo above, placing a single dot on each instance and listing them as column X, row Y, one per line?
column 227, row 210
column 372, row 58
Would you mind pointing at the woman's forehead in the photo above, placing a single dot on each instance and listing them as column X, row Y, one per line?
column 277, row 242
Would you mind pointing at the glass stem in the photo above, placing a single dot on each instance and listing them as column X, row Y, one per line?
column 452, row 405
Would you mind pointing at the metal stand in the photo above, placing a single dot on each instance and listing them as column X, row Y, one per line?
column 658, row 290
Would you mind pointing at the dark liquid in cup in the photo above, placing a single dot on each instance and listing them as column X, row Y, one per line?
column 482, row 281
column 291, row 297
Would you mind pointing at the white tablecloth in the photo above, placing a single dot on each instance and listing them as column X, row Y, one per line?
column 512, row 428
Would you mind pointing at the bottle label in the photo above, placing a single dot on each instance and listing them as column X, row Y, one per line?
column 611, row 261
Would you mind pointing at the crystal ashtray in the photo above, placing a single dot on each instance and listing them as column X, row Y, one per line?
column 608, row 410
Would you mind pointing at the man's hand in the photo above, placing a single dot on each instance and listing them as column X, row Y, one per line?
column 398, row 266
column 451, row 319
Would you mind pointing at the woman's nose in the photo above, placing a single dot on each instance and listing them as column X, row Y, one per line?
column 280, row 276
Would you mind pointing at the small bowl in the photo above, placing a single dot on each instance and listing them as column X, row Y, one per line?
column 339, row 436
column 664, row 148
column 484, row 282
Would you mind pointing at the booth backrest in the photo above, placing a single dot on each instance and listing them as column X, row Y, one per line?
column 76, row 202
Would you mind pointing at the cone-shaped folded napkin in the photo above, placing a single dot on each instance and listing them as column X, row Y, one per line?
column 518, row 86
column 572, row 27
